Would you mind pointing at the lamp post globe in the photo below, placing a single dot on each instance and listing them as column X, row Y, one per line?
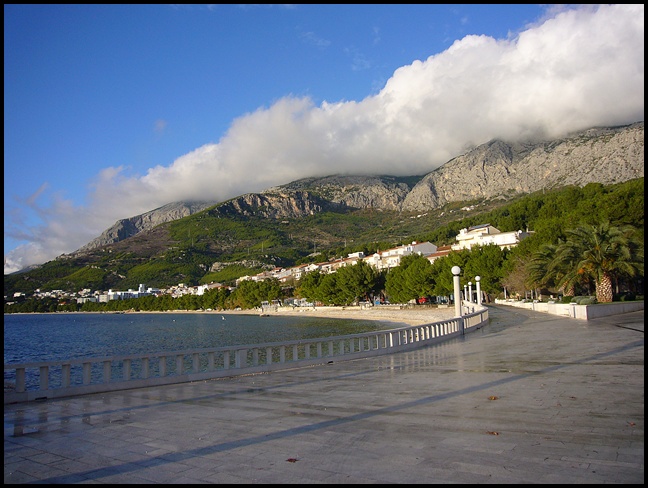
column 457, row 289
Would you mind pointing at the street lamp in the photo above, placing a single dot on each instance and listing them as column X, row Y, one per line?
column 456, row 270
column 470, row 291
column 479, row 297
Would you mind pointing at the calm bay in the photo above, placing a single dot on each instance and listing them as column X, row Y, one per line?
column 30, row 338
column 50, row 337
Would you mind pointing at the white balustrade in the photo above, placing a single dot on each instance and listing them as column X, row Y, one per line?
column 53, row 379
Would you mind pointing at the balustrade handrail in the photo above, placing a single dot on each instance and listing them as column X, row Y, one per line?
column 97, row 373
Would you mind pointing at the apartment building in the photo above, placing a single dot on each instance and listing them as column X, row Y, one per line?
column 485, row 234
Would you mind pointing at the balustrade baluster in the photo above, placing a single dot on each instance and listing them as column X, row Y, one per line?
column 87, row 373
column 145, row 368
column 226, row 360
column 20, row 380
column 44, row 377
column 107, row 373
column 163, row 366
column 127, row 369
column 179, row 364
column 65, row 375
column 196, row 363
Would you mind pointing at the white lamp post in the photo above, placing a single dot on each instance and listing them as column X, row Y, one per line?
column 479, row 297
column 470, row 291
column 456, row 270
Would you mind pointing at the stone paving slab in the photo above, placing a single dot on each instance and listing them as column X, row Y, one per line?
column 529, row 398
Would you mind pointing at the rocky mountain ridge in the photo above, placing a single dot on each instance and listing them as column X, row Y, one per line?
column 125, row 228
column 491, row 170
column 599, row 155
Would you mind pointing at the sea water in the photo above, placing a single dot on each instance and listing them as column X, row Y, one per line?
column 58, row 336
column 31, row 338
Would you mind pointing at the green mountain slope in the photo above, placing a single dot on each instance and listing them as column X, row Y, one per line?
column 221, row 243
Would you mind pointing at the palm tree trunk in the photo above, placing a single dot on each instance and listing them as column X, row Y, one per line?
column 604, row 289
column 568, row 291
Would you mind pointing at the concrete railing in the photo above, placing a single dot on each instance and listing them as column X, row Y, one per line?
column 55, row 379
column 573, row 310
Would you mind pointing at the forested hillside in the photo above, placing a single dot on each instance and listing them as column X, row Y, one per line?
column 212, row 247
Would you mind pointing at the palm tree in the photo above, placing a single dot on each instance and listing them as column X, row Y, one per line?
column 564, row 267
column 539, row 273
column 554, row 265
column 600, row 252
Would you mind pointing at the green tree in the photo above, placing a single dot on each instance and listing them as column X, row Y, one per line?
column 539, row 267
column 413, row 278
column 553, row 265
column 517, row 278
column 357, row 281
column 487, row 263
column 244, row 296
column 601, row 252
column 442, row 270
column 250, row 294
column 308, row 285
column 329, row 292
column 269, row 290
column 395, row 285
column 216, row 298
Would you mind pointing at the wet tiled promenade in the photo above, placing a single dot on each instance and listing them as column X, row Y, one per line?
column 530, row 398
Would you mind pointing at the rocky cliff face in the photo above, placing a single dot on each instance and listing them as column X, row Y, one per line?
column 126, row 228
column 595, row 156
column 276, row 204
column 385, row 192
column 599, row 155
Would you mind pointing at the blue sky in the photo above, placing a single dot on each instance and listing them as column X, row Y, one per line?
column 115, row 110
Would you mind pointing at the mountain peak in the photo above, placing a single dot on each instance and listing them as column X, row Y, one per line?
column 495, row 169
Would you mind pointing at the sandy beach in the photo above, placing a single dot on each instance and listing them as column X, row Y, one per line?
column 389, row 314
column 385, row 314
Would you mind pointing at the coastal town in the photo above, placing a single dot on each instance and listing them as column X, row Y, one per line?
column 479, row 235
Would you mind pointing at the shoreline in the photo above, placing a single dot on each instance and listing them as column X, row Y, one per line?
column 385, row 314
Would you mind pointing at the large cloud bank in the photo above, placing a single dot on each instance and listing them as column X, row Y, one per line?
column 578, row 69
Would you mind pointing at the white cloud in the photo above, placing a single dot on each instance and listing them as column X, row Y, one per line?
column 314, row 39
column 579, row 69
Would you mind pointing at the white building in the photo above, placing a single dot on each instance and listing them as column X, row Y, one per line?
column 441, row 252
column 392, row 257
column 142, row 291
column 485, row 234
